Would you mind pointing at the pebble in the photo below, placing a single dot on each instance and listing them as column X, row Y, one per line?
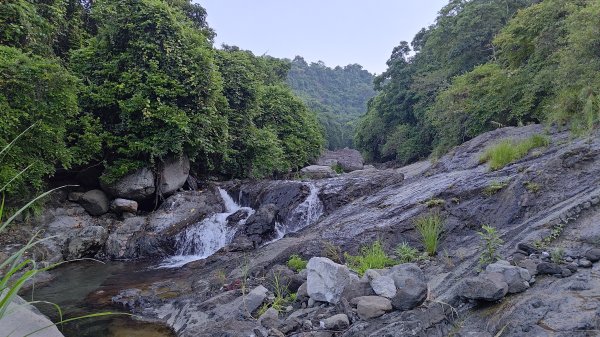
column 545, row 254
column 568, row 259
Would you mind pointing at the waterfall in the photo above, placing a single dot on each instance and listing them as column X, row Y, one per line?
column 304, row 215
column 206, row 237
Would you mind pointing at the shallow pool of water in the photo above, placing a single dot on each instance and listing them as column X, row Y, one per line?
column 86, row 287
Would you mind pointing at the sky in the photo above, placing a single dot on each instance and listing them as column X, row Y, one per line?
column 337, row 32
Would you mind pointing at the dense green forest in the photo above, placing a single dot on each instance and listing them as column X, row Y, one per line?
column 482, row 65
column 128, row 84
column 339, row 96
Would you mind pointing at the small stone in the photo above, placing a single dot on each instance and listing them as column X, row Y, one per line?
column 587, row 205
column 121, row 205
column 276, row 333
column 572, row 267
column 384, row 286
column 336, row 322
column 545, row 254
column 311, row 302
column 94, row 202
column 568, row 259
column 595, row 200
column 584, row 263
column 289, row 308
column 593, row 255
column 372, row 306
column 527, row 248
column 269, row 319
column 566, row 272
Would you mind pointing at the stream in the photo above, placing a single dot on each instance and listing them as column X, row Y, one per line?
column 87, row 287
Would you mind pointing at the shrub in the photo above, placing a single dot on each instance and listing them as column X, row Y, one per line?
column 508, row 151
column 490, row 243
column 430, row 228
column 558, row 255
column 435, row 202
column 337, row 168
column 370, row 257
column 406, row 253
column 532, row 187
column 296, row 263
column 40, row 96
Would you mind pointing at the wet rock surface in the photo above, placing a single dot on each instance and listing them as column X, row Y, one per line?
column 538, row 291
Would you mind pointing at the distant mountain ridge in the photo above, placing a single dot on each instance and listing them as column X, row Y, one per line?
column 339, row 96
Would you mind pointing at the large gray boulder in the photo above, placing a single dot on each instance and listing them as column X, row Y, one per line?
column 411, row 286
column 23, row 319
column 486, row 287
column 138, row 185
column 173, row 174
column 85, row 242
column 517, row 278
column 317, row 172
column 94, row 202
column 349, row 159
column 326, row 279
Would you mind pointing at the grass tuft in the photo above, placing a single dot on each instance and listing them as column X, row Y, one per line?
column 407, row 254
column 370, row 257
column 430, row 228
column 297, row 263
column 509, row 151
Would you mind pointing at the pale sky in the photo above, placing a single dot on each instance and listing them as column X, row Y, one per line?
column 337, row 32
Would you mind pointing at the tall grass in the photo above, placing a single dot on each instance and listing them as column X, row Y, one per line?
column 430, row 229
column 371, row 257
column 508, row 151
column 16, row 270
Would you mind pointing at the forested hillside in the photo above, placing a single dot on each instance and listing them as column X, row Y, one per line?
column 339, row 96
column 482, row 65
column 127, row 84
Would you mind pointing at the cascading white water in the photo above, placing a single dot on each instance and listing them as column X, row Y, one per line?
column 203, row 239
column 306, row 214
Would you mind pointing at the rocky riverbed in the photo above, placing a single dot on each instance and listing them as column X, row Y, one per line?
column 541, row 204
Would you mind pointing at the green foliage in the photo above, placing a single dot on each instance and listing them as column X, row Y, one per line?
column 297, row 263
column 434, row 202
column 553, row 236
column 558, row 255
column 509, row 151
column 404, row 123
column 152, row 82
column 407, row 254
column 371, row 257
column 490, row 243
column 339, row 96
column 38, row 93
column 337, row 168
column 430, row 229
column 494, row 187
column 532, row 187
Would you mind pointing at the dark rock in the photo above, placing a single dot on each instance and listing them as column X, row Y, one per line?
column 548, row 268
column 94, row 202
column 357, row 288
column 411, row 286
column 74, row 196
column 528, row 248
column 122, row 242
column 138, row 185
column 173, row 174
column 282, row 275
column 593, row 255
column 487, row 287
column 270, row 319
column 261, row 225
